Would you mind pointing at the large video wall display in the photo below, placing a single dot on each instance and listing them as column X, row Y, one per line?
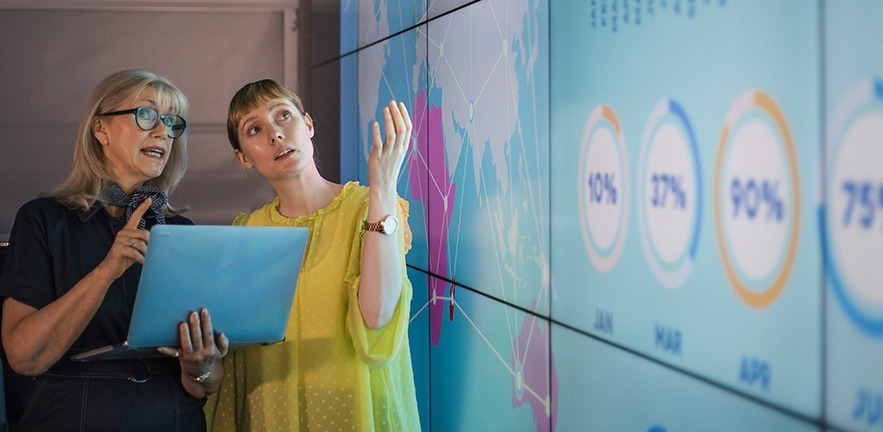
column 635, row 214
column 685, row 197
column 853, row 213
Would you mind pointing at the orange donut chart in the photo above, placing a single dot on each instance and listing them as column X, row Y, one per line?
column 605, row 257
column 765, row 297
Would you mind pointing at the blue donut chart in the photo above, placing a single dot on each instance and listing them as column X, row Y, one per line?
column 678, row 270
column 873, row 92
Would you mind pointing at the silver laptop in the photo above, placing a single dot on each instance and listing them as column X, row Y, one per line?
column 244, row 276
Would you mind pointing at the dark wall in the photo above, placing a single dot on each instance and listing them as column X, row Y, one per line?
column 322, row 90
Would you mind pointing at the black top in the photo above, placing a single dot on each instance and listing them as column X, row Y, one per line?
column 51, row 248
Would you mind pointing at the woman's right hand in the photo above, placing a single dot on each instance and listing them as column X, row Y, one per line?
column 201, row 354
column 388, row 154
column 129, row 246
column 34, row 339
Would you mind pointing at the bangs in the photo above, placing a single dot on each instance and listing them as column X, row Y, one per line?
column 128, row 88
column 171, row 97
column 256, row 94
column 246, row 103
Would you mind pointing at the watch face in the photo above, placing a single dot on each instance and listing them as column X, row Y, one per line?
column 390, row 225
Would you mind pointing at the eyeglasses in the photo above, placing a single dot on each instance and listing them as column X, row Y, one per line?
column 148, row 118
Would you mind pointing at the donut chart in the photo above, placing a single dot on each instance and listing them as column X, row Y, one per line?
column 757, row 199
column 670, row 193
column 603, row 188
column 853, row 220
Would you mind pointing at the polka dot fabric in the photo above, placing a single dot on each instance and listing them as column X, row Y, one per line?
column 332, row 373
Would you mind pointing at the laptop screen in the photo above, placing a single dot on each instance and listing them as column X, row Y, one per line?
column 244, row 276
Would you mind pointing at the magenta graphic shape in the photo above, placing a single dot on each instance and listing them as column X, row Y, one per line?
column 431, row 184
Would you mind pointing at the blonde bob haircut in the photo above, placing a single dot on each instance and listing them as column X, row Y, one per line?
column 90, row 173
column 249, row 97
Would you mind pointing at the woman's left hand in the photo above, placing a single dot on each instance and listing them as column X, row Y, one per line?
column 387, row 155
column 200, row 348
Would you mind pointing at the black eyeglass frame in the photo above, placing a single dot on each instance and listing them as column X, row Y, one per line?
column 159, row 118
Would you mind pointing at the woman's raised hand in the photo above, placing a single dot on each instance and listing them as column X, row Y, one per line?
column 388, row 154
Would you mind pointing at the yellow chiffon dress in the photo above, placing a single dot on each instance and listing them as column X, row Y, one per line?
column 332, row 373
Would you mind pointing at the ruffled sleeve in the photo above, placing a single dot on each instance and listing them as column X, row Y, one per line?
column 377, row 347
column 241, row 219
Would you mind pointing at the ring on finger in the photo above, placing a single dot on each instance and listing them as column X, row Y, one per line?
column 132, row 241
column 177, row 354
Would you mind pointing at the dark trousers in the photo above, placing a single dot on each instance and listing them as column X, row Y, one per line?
column 117, row 395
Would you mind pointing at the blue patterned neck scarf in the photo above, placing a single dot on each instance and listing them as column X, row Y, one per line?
column 114, row 195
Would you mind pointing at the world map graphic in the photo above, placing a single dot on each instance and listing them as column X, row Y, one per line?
column 477, row 172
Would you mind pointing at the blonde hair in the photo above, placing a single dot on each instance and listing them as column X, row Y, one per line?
column 89, row 173
column 249, row 97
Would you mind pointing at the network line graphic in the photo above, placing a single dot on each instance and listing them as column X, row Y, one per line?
column 476, row 177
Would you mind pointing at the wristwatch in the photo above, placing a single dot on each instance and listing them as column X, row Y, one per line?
column 387, row 225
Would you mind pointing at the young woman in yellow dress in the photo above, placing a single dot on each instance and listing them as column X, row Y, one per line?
column 345, row 363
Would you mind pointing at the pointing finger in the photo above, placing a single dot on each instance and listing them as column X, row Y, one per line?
column 138, row 214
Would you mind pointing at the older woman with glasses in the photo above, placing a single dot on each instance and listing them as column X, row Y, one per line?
column 71, row 275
